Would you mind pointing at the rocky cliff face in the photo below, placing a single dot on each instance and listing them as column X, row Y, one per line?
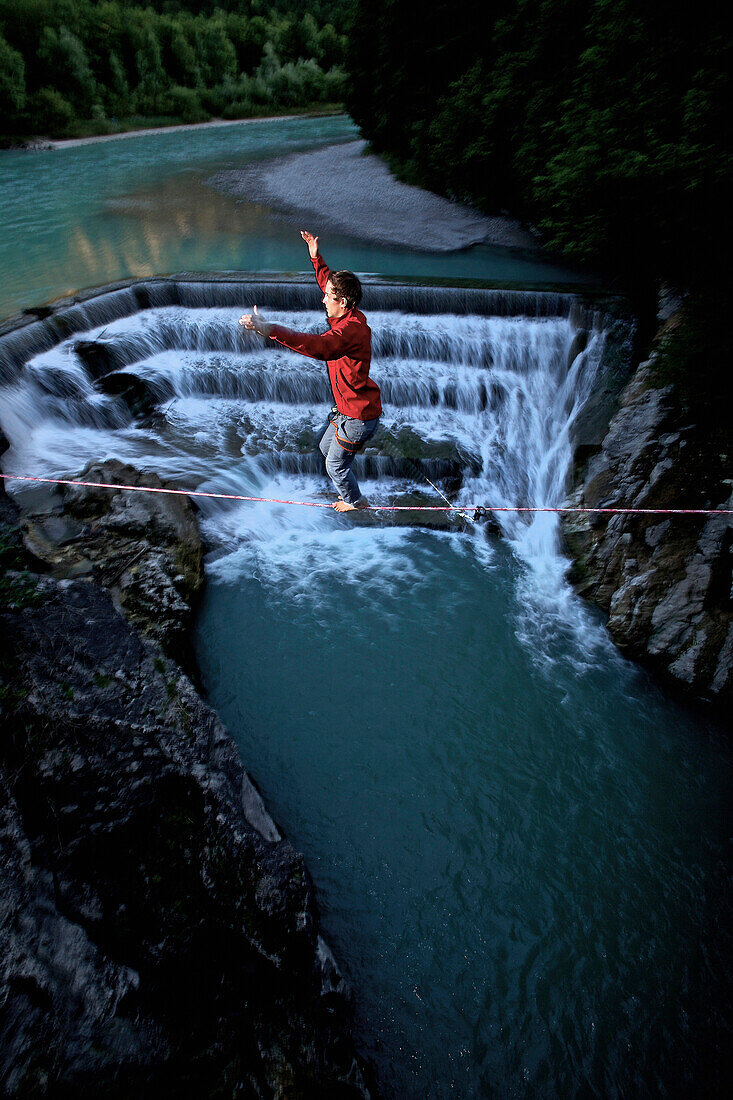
column 159, row 937
column 664, row 581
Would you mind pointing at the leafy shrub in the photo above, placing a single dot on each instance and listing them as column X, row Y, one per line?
column 184, row 103
column 12, row 77
column 51, row 112
column 214, row 100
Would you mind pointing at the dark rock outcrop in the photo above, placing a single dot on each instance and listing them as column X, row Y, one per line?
column 159, row 937
column 140, row 396
column 664, row 581
column 589, row 427
column 98, row 356
column 4, row 444
column 144, row 547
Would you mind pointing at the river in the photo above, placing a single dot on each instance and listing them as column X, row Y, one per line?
column 519, row 842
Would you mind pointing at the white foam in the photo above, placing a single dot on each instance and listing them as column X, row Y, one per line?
column 497, row 389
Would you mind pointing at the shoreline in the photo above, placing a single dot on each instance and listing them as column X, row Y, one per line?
column 346, row 190
column 41, row 142
column 353, row 192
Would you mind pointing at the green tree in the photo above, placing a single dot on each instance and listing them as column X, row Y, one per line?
column 248, row 36
column 330, row 46
column 119, row 57
column 601, row 121
column 12, row 80
column 119, row 101
column 50, row 112
column 67, row 68
column 152, row 77
column 217, row 56
column 184, row 67
column 184, row 103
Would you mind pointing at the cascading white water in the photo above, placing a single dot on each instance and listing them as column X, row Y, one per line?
column 487, row 402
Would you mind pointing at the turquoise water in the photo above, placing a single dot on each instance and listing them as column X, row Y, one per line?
column 81, row 216
column 519, row 848
column 520, row 843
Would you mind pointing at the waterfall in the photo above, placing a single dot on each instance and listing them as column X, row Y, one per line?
column 481, row 391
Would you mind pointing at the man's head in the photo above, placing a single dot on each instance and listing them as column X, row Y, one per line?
column 343, row 293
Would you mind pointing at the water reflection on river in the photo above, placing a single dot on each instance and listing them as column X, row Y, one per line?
column 88, row 214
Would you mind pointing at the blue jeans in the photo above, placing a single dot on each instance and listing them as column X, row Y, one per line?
column 339, row 445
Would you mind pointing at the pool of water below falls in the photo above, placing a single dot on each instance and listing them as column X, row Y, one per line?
column 518, row 841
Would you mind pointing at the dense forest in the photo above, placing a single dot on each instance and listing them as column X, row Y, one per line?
column 602, row 122
column 75, row 67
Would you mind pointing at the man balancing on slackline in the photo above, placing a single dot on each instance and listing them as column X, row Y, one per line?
column 347, row 349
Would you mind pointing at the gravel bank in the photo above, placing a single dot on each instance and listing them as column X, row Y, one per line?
column 341, row 189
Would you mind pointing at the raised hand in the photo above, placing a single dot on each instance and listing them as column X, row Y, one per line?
column 311, row 241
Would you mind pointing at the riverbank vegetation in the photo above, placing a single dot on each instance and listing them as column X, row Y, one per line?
column 602, row 124
column 73, row 68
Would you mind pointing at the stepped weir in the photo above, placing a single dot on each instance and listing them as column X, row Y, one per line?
column 486, row 392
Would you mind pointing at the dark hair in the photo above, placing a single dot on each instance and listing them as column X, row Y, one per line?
column 346, row 285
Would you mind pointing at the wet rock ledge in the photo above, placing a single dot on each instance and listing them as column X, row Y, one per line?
column 666, row 582
column 159, row 937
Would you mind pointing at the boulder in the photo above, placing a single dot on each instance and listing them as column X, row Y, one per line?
column 159, row 937
column 141, row 396
column 98, row 356
column 144, row 547
column 4, row 445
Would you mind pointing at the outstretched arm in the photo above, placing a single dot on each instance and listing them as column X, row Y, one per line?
column 328, row 345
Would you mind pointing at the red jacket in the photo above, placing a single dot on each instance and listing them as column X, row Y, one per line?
column 347, row 349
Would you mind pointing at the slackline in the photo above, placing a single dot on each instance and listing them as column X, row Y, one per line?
column 477, row 509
